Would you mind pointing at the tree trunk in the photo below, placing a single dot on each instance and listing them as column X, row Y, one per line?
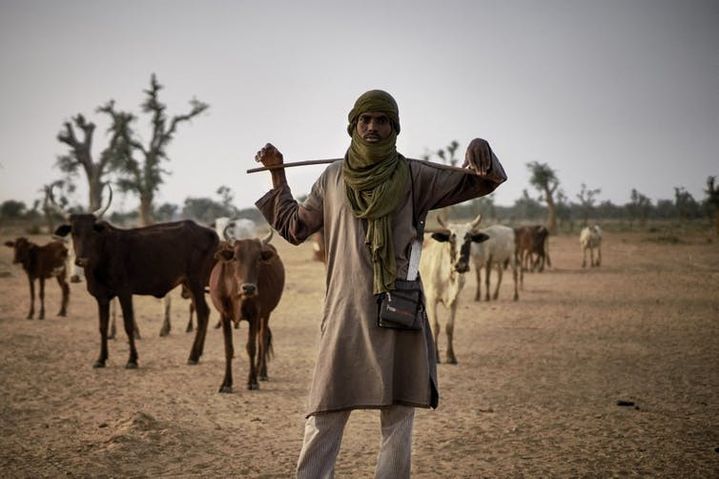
column 716, row 220
column 551, row 213
column 145, row 210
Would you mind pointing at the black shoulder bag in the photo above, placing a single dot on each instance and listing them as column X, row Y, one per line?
column 403, row 307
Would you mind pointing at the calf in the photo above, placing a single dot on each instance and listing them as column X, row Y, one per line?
column 590, row 238
column 497, row 251
column 41, row 263
column 532, row 248
column 442, row 267
column 148, row 261
column 246, row 284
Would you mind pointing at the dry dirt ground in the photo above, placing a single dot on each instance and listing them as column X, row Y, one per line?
column 535, row 393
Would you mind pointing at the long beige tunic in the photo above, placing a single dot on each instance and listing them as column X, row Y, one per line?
column 359, row 364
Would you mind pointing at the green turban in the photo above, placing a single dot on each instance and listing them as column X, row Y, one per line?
column 374, row 100
column 375, row 178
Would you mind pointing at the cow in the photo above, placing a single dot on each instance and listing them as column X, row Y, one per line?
column 77, row 275
column 442, row 268
column 246, row 284
column 497, row 251
column 532, row 246
column 234, row 228
column 151, row 260
column 590, row 238
column 41, row 263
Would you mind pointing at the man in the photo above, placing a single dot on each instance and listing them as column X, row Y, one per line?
column 366, row 205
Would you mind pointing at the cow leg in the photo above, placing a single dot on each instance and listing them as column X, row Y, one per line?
column 251, row 347
column 451, row 359
column 599, row 255
column 32, row 298
column 42, row 298
column 203, row 314
column 189, row 328
column 265, row 343
column 226, row 386
column 128, row 320
column 478, row 271
column 166, row 326
column 584, row 257
column 65, row 295
column 499, row 281
column 103, row 307
column 113, row 313
column 487, row 273
column 591, row 257
column 434, row 323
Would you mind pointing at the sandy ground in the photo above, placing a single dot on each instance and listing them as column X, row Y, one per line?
column 534, row 395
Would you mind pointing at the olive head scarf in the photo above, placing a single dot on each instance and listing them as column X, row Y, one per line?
column 375, row 178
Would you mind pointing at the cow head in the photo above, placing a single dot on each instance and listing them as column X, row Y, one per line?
column 247, row 255
column 460, row 238
column 23, row 250
column 86, row 228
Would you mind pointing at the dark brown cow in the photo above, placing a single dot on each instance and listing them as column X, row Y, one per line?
column 148, row 261
column 246, row 284
column 532, row 246
column 41, row 263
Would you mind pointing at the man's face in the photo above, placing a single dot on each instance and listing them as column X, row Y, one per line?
column 373, row 126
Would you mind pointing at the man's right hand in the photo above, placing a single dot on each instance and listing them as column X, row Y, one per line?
column 269, row 156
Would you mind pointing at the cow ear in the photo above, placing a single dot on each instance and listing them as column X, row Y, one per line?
column 267, row 254
column 479, row 237
column 225, row 255
column 441, row 237
column 10, row 244
column 62, row 230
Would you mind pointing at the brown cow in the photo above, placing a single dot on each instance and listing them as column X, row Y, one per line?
column 42, row 262
column 532, row 246
column 148, row 261
column 246, row 284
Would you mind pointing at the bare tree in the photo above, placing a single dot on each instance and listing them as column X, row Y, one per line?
column 712, row 193
column 80, row 155
column 587, row 197
column 545, row 180
column 145, row 176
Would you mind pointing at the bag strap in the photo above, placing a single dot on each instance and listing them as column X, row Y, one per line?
column 416, row 248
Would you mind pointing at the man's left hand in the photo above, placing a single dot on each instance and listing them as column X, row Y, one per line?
column 478, row 156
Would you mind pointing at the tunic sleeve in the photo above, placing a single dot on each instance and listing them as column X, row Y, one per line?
column 293, row 221
column 438, row 188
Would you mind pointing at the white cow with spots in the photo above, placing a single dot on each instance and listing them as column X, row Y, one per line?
column 445, row 259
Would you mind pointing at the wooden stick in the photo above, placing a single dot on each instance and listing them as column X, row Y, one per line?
column 467, row 171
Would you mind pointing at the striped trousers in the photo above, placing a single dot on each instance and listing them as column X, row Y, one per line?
column 323, row 436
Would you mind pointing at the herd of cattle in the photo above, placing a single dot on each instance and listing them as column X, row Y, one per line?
column 245, row 275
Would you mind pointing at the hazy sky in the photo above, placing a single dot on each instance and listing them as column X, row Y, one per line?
column 616, row 94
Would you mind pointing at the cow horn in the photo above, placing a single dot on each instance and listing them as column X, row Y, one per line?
column 53, row 204
column 268, row 237
column 476, row 221
column 441, row 222
column 101, row 211
column 227, row 237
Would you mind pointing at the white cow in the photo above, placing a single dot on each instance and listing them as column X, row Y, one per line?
column 497, row 251
column 237, row 228
column 444, row 262
column 589, row 239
